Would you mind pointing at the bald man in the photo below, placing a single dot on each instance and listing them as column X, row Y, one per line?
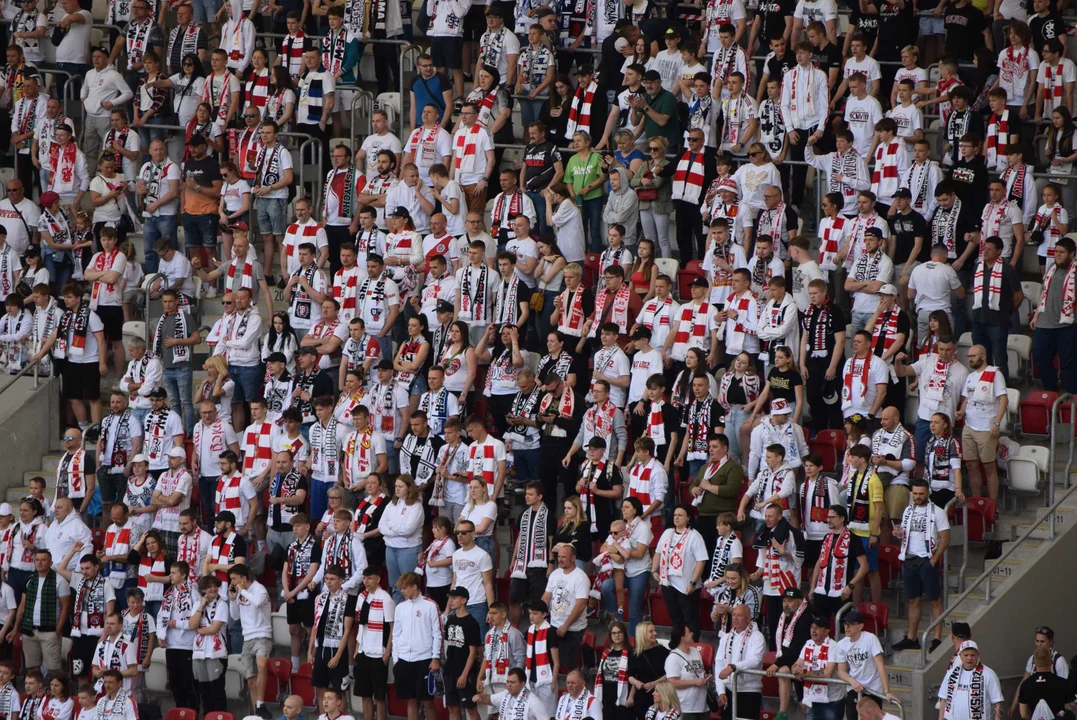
column 63, row 534
column 578, row 702
column 984, row 404
column 744, row 650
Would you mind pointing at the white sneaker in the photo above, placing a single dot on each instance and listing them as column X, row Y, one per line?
column 209, row 291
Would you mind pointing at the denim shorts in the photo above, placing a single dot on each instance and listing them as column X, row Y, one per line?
column 272, row 215
column 200, row 230
column 921, row 579
column 418, row 386
column 248, row 382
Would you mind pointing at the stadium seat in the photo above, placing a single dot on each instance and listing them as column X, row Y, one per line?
column 182, row 714
column 590, row 269
column 876, row 617
column 279, row 620
column 280, row 670
column 830, row 445
column 1039, row 455
column 156, row 678
column 98, row 535
column 981, row 518
column 1035, row 413
column 684, row 281
column 303, row 687
column 706, row 604
column 770, row 685
column 1032, row 292
column 659, row 611
column 219, row 716
column 1018, row 347
column 667, row 266
column 706, row 651
column 890, row 565
column 1024, row 477
column 397, row 707
column 234, row 683
column 1009, row 425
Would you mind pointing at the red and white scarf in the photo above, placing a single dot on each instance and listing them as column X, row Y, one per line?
column 256, row 89
column 863, row 372
column 787, row 625
column 62, row 167
column 483, row 457
column 750, row 384
column 737, row 329
column 537, row 654
column 834, row 555
column 1068, row 288
column 117, row 542
column 671, row 555
column 815, row 659
column 257, row 449
column 884, row 178
column 219, row 96
column 688, row 178
column 639, row 483
column 466, row 149
column 291, row 51
column 515, row 205
column 227, row 495
column 618, row 313
column 572, row 318
column 994, row 288
column 998, row 133
column 579, row 112
column 656, row 424
column 222, row 549
column 622, row 675
column 345, row 291
column 102, row 262
column 247, row 273
column 698, row 317
column 886, row 328
column 496, row 652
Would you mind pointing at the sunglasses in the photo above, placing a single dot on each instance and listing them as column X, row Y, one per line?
column 464, row 532
column 68, row 438
column 655, row 149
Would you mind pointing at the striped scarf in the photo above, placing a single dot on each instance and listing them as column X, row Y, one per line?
column 997, row 138
column 135, row 630
column 994, row 288
column 334, row 47
column 117, row 542
column 291, row 52
column 223, row 553
column 537, row 662
column 312, row 94
column 1066, row 315
column 532, row 550
column 622, row 674
column 371, row 615
column 976, row 709
column 579, row 112
column 330, row 607
column 256, row 89
column 465, row 148
column 885, row 176
column 496, row 651
column 688, row 180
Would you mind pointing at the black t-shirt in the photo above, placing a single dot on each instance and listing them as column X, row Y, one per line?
column 827, row 57
column 461, row 634
column 856, row 550
column 898, row 27
column 777, row 66
column 905, row 228
column 1010, row 282
column 866, row 24
column 839, row 319
column 540, row 160
column 772, row 15
column 903, row 328
column 964, row 31
column 205, row 171
column 1046, row 28
column 783, row 384
column 1046, row 687
column 275, row 510
column 970, row 180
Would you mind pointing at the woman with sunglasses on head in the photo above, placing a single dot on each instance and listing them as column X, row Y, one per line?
column 187, row 87
column 151, row 101
column 654, row 194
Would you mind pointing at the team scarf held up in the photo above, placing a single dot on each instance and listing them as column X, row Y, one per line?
column 689, row 174
column 835, row 555
column 884, row 178
column 579, row 112
column 76, row 322
column 994, row 288
column 998, row 133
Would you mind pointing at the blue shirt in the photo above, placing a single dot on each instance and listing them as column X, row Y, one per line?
column 430, row 92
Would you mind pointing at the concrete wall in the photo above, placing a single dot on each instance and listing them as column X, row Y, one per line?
column 1004, row 630
column 28, row 428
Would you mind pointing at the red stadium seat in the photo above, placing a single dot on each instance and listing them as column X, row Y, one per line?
column 751, row 555
column 219, row 716
column 889, row 564
column 98, row 535
column 767, row 715
column 830, row 445
column 706, row 604
column 590, row 269
column 1035, row 413
column 659, row 611
column 770, row 685
column 707, row 653
column 876, row 617
column 182, row 714
column 685, row 276
column 280, row 670
column 981, row 518
column 397, row 707
column 302, row 686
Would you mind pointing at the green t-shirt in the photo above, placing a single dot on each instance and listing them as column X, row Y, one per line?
column 665, row 104
column 583, row 173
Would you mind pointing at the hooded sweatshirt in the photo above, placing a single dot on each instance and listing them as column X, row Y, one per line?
column 622, row 206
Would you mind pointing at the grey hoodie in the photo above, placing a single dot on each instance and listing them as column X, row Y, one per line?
column 622, row 206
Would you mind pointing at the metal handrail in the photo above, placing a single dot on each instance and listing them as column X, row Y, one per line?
column 148, row 283
column 35, row 366
column 1055, row 407
column 1048, row 516
column 826, row 681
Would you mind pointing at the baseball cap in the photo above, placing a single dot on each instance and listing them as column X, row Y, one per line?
column 621, row 44
column 641, row 333
column 853, row 616
column 177, row 452
column 226, row 516
column 652, row 75
column 792, row 594
column 873, row 231
column 5, row 509
column 700, row 282
column 902, row 193
column 729, row 185
column 961, row 630
column 140, row 458
column 239, row 225
column 197, row 139
column 888, row 289
column 277, row 357
column 385, row 365
column 460, row 591
column 820, row 621
column 494, row 11
column 444, row 306
column 968, row 645
column 158, row 393
column 400, row 212
column 596, row 442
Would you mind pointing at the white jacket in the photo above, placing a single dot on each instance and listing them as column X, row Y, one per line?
column 417, row 630
column 745, row 650
column 99, row 86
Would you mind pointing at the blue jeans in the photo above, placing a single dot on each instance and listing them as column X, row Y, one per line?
column 733, row 420
column 827, row 711
column 530, row 110
column 200, row 230
column 59, row 267
column 591, row 210
column 140, row 415
column 399, row 561
column 150, row 132
column 993, row 338
column 319, row 497
column 637, row 591
column 178, row 386
column 861, row 319
column 486, row 542
column 543, row 323
column 154, row 228
column 922, row 436
column 479, row 612
column 540, row 213
column 235, row 635
column 204, row 10
column 248, row 379
column 1046, row 344
column 527, row 462
column 77, row 70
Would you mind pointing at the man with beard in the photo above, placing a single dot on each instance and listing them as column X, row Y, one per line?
column 1053, row 322
column 788, row 637
column 822, row 355
column 925, row 535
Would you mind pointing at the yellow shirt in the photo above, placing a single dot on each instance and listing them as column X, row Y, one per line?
column 875, row 495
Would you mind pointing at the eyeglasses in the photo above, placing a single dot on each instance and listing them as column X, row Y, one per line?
column 250, row 115
column 753, row 154
column 188, row 63
column 464, row 532
column 14, row 189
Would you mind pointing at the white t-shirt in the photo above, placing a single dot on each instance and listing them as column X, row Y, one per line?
column 811, row 10
column 63, row 589
column 106, row 297
column 565, row 589
column 644, row 364
column 440, row 576
column 209, row 451
column 860, row 656
column 917, row 530
column 283, row 159
column 454, row 224
column 16, row 231
column 861, row 115
column 478, row 514
column 523, row 248
column 869, row 66
column 694, row 551
column 469, row 565
column 640, row 535
column 1014, row 76
column 959, row 707
column 908, row 119
column 109, row 212
column 980, row 414
column 442, row 148
column 7, row 602
column 89, row 353
column 75, row 47
column 233, row 195
column 373, row 145
column 613, row 363
column 933, row 282
column 951, row 393
column 668, row 66
column 172, row 173
column 688, row 667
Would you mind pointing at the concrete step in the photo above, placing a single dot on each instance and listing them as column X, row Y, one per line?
column 1063, row 517
column 14, row 496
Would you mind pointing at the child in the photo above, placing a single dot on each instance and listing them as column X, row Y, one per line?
column 909, row 119
column 668, row 64
column 235, row 205
column 36, row 272
column 140, row 629
column 1052, row 222
column 132, row 283
column 87, row 703
column 37, row 492
column 958, row 123
column 948, row 81
column 83, row 240
column 33, row 704
column 611, row 562
column 15, row 328
column 545, row 666
column 1018, row 64
column 9, row 696
column 772, row 128
column 690, row 68
column 739, row 122
column 909, row 70
column 536, row 69
column 702, row 111
column 727, row 551
column 616, row 253
column 720, row 259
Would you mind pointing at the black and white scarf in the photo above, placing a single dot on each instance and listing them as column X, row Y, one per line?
column 121, row 442
column 426, row 453
column 180, row 353
column 720, row 561
column 329, row 614
column 532, row 548
column 944, row 228
column 977, row 689
column 324, row 444
column 524, row 406
column 78, row 323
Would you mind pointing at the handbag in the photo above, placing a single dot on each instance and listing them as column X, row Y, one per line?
column 538, row 300
column 647, row 194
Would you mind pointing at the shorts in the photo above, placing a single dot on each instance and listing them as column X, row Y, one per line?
column 113, row 486
column 200, row 230
column 82, row 651
column 371, row 677
column 921, row 579
column 871, row 553
column 81, row 381
column 323, row 676
column 530, row 589
column 897, row 499
column 112, row 318
column 475, row 23
column 978, row 445
column 932, row 26
column 272, row 215
column 905, row 268
column 300, row 612
column 252, row 650
column 418, row 386
column 248, row 380
column 455, row 697
column 448, row 52
column 410, row 679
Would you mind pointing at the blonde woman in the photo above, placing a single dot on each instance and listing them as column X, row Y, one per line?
column 667, row 705
column 655, row 203
column 401, row 526
column 482, row 511
column 217, row 386
column 573, row 530
column 646, row 666
column 735, row 589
